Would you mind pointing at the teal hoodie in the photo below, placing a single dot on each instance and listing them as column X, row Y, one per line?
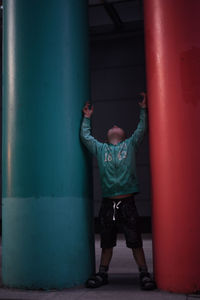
column 117, row 163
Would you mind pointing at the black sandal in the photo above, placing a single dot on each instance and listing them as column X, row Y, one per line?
column 97, row 280
column 146, row 282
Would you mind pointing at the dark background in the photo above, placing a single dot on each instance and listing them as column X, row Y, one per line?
column 117, row 64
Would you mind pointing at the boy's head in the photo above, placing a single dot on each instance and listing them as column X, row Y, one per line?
column 115, row 134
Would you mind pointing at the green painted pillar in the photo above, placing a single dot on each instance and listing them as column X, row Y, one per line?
column 47, row 232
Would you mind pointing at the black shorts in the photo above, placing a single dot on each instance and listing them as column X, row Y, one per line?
column 119, row 213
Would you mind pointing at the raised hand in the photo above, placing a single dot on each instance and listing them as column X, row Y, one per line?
column 87, row 112
column 143, row 104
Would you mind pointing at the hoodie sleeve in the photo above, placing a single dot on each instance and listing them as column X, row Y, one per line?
column 88, row 140
column 138, row 135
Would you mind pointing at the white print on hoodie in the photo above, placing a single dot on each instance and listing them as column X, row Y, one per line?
column 121, row 154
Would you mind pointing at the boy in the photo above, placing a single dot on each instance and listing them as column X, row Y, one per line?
column 116, row 161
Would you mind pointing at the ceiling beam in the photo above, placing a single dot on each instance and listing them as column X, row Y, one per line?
column 101, row 2
column 106, row 31
column 111, row 11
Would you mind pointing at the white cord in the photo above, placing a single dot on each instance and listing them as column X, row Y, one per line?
column 115, row 206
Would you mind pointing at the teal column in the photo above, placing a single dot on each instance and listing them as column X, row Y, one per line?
column 47, row 232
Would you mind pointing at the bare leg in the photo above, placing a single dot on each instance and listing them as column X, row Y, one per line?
column 102, row 275
column 146, row 282
column 139, row 256
column 106, row 255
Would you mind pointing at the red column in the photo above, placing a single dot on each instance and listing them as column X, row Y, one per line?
column 172, row 42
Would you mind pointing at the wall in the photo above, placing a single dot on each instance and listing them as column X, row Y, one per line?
column 117, row 75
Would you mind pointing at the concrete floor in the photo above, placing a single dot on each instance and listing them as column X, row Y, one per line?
column 124, row 282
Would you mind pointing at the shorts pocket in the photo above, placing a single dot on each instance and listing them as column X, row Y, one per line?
column 130, row 213
column 105, row 214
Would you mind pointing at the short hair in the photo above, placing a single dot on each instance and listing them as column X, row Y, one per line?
column 123, row 139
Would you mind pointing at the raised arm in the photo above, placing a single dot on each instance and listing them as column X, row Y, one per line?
column 85, row 133
column 138, row 135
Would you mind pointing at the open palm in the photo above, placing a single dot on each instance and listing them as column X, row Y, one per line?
column 143, row 103
column 88, row 112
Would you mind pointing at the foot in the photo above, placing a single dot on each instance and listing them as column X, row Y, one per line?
column 146, row 282
column 97, row 280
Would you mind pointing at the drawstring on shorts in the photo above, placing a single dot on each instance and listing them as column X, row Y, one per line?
column 115, row 206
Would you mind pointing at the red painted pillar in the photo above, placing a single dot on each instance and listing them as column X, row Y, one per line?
column 172, row 42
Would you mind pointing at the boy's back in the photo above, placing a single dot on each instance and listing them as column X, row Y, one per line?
column 117, row 165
